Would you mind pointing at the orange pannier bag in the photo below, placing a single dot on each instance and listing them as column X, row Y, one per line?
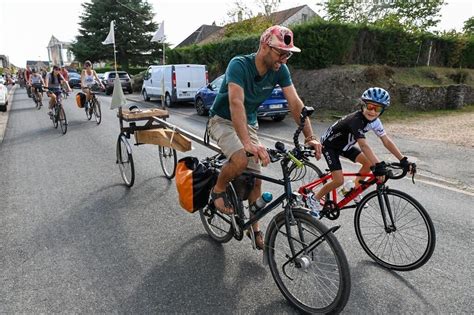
column 80, row 99
column 194, row 181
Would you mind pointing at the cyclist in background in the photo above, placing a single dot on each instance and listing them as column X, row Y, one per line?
column 27, row 80
column 53, row 82
column 341, row 137
column 89, row 79
column 36, row 82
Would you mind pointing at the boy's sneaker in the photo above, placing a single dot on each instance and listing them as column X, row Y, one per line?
column 314, row 206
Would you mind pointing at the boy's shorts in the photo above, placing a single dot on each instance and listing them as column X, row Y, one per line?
column 332, row 157
column 222, row 131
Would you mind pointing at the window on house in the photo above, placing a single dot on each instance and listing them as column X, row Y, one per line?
column 304, row 17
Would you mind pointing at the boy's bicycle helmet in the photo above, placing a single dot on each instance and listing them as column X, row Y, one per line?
column 377, row 95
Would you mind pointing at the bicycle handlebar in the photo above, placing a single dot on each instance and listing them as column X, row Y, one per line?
column 398, row 166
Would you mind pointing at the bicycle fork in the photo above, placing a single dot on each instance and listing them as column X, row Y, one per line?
column 385, row 204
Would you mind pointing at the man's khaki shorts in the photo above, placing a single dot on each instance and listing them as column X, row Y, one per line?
column 222, row 131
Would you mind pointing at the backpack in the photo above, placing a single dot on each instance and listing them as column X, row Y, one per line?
column 80, row 99
column 194, row 181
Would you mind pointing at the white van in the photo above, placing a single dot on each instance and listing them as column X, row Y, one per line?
column 181, row 82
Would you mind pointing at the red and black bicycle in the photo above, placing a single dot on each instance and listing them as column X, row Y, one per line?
column 392, row 227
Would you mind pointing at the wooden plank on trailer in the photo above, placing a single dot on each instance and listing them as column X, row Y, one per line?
column 164, row 137
column 143, row 114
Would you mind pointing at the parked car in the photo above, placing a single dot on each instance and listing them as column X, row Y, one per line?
column 124, row 78
column 274, row 107
column 74, row 80
column 181, row 82
column 3, row 95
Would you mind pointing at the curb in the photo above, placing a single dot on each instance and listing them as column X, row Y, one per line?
column 4, row 115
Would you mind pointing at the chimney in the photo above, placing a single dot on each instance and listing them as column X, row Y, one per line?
column 239, row 16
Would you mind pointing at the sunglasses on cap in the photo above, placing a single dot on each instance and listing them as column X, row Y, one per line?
column 281, row 53
column 374, row 106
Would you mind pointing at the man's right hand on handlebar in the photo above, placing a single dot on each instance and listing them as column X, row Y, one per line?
column 258, row 152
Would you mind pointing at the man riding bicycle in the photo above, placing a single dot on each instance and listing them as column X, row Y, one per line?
column 248, row 81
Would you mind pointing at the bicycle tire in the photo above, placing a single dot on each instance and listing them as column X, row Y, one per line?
column 125, row 161
column 62, row 120
column 400, row 204
column 168, row 161
column 97, row 111
column 219, row 225
column 55, row 117
column 321, row 269
column 88, row 110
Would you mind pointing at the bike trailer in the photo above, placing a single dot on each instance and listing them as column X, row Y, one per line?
column 194, row 180
column 80, row 99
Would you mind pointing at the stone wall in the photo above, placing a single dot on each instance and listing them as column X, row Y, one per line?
column 339, row 88
column 442, row 97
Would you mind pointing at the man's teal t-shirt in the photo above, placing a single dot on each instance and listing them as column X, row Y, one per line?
column 243, row 72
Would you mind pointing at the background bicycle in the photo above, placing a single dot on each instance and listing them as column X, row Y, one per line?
column 92, row 107
column 58, row 115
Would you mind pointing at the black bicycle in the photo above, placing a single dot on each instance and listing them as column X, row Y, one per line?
column 37, row 90
column 92, row 107
column 306, row 260
column 58, row 116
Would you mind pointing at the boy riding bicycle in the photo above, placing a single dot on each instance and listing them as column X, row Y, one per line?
column 341, row 137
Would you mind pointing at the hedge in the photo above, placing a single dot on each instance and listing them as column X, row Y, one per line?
column 327, row 43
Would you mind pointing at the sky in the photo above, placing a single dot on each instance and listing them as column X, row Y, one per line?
column 27, row 25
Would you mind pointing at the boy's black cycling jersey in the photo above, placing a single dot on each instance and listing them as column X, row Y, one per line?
column 343, row 134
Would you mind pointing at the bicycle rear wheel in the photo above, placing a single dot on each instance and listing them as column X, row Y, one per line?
column 62, row 120
column 406, row 245
column 125, row 161
column 97, row 111
column 168, row 161
column 217, row 224
column 318, row 279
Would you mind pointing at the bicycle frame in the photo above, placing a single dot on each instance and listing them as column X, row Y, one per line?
column 349, row 197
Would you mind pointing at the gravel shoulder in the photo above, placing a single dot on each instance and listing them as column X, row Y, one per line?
column 452, row 129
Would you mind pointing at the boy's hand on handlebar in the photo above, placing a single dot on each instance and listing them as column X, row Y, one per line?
column 316, row 146
column 258, row 152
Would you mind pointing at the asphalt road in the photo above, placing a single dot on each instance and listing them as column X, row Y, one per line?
column 73, row 238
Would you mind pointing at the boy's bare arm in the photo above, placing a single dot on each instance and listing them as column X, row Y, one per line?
column 364, row 147
column 391, row 147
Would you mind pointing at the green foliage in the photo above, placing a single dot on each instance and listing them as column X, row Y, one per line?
column 134, row 28
column 328, row 43
column 254, row 25
column 411, row 15
column 468, row 28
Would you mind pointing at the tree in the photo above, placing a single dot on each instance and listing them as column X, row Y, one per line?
column 468, row 28
column 133, row 30
column 412, row 15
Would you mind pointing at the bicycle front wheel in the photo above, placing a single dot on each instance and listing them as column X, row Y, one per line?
column 168, row 161
column 125, row 161
column 55, row 117
column 317, row 280
column 97, row 111
column 406, row 244
column 89, row 110
column 62, row 120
